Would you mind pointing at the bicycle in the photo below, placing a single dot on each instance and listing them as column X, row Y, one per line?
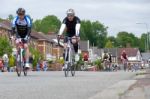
column 69, row 57
column 106, row 64
column 20, row 58
column 125, row 64
column 84, row 67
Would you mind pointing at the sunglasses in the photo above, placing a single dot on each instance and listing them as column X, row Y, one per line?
column 20, row 14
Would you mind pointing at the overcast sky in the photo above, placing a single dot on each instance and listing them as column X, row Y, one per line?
column 118, row 15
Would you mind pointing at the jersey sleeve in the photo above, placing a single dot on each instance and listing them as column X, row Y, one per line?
column 14, row 22
column 28, row 21
column 64, row 21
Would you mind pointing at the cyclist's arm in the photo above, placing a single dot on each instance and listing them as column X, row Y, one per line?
column 78, row 29
column 13, row 26
column 62, row 28
column 78, row 25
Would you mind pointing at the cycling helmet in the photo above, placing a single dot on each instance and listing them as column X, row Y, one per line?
column 21, row 11
column 70, row 12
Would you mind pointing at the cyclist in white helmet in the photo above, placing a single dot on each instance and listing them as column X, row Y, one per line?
column 72, row 25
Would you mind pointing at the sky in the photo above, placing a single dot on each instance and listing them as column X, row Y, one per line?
column 118, row 15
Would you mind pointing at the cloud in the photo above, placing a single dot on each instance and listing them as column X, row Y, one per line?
column 118, row 15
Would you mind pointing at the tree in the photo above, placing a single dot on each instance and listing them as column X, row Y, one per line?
column 109, row 44
column 49, row 23
column 95, row 32
column 125, row 38
column 10, row 17
column 142, row 42
column 1, row 19
column 113, row 40
column 5, row 46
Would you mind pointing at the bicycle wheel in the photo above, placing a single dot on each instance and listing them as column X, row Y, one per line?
column 18, row 67
column 73, row 68
column 25, row 70
column 66, row 70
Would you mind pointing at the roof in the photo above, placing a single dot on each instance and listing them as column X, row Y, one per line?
column 130, row 51
column 113, row 51
column 40, row 36
column 5, row 24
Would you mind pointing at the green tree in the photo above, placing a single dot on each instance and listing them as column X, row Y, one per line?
column 49, row 23
column 95, row 32
column 124, row 38
column 5, row 46
column 10, row 17
column 1, row 19
column 37, row 25
column 109, row 44
column 113, row 40
column 142, row 42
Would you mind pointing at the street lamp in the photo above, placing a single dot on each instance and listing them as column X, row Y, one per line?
column 147, row 39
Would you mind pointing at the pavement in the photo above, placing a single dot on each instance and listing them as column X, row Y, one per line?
column 141, row 89
column 53, row 85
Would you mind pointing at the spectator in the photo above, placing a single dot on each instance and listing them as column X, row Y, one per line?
column 1, row 65
column 5, row 60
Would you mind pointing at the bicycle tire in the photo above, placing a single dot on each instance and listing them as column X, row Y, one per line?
column 66, row 70
column 73, row 68
column 25, row 71
column 18, row 68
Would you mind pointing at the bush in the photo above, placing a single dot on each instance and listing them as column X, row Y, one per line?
column 36, row 56
column 11, row 61
column 98, row 64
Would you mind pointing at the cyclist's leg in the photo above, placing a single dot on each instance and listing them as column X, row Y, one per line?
column 26, row 54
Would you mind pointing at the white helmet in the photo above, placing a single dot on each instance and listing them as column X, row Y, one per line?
column 70, row 12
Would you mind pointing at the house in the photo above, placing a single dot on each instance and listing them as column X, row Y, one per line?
column 5, row 29
column 38, row 40
column 146, row 58
column 134, row 55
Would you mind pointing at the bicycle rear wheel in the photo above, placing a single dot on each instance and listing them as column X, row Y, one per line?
column 73, row 68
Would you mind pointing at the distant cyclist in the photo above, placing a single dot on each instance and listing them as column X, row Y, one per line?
column 21, row 26
column 72, row 25
column 124, row 59
column 106, row 60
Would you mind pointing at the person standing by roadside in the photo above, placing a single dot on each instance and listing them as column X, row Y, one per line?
column 5, row 60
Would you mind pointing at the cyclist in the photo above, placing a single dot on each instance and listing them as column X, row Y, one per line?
column 72, row 25
column 124, row 59
column 105, row 59
column 21, row 26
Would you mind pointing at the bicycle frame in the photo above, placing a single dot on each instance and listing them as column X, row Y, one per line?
column 69, row 61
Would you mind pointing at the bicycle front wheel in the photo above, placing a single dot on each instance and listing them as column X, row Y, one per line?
column 25, row 71
column 66, row 70
column 18, row 68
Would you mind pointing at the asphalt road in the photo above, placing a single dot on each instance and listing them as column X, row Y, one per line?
column 53, row 85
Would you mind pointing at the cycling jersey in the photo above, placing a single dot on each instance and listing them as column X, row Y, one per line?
column 124, row 55
column 71, row 26
column 23, row 27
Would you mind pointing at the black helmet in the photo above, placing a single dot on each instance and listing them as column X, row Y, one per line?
column 21, row 11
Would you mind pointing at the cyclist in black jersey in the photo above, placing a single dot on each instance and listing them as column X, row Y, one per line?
column 72, row 25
